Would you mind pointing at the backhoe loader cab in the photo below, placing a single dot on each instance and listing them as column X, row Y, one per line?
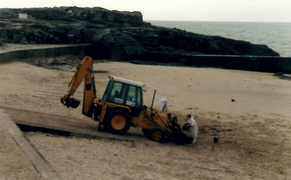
column 125, row 93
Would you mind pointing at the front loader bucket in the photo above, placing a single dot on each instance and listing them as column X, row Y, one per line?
column 72, row 102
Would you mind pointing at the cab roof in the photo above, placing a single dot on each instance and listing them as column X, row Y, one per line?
column 135, row 83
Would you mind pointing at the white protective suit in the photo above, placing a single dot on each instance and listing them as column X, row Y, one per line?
column 193, row 130
column 163, row 104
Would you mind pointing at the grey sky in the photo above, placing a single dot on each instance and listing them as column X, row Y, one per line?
column 181, row 10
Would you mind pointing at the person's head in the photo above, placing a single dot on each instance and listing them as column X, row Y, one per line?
column 189, row 116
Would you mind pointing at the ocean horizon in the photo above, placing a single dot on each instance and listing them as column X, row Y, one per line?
column 276, row 35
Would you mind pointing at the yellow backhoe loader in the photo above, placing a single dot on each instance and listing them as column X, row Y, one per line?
column 120, row 107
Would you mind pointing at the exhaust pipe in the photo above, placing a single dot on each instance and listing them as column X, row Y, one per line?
column 153, row 100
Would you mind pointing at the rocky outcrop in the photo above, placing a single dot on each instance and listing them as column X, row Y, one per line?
column 96, row 15
column 116, row 35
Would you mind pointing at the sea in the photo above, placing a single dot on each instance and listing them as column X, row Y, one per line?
column 276, row 35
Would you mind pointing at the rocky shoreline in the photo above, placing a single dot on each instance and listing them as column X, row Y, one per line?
column 116, row 35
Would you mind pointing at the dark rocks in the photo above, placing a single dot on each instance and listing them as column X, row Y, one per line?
column 117, row 35
column 238, row 47
column 282, row 76
column 1, row 43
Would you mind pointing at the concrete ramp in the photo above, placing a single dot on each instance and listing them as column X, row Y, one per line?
column 34, row 156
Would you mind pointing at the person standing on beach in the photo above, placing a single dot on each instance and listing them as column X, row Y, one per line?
column 163, row 104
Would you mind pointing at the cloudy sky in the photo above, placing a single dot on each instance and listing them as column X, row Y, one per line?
column 181, row 10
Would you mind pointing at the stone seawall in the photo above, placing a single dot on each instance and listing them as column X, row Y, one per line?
column 34, row 53
column 251, row 63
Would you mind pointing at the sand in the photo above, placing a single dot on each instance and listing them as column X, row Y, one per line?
column 250, row 112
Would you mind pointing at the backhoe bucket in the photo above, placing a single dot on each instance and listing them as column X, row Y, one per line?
column 72, row 102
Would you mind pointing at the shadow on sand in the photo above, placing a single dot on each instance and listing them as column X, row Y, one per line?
column 282, row 76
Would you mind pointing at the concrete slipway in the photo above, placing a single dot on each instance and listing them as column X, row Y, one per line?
column 18, row 144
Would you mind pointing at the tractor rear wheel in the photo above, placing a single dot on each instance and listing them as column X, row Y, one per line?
column 158, row 134
column 117, row 121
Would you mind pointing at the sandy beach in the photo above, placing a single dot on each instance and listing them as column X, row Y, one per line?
column 250, row 112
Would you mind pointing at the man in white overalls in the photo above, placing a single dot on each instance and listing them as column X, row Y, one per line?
column 192, row 129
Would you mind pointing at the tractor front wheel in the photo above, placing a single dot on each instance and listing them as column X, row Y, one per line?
column 158, row 134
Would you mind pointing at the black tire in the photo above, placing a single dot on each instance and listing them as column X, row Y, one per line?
column 157, row 134
column 117, row 121
column 147, row 133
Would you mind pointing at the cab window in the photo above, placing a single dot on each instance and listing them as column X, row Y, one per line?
column 117, row 93
column 105, row 95
column 134, row 96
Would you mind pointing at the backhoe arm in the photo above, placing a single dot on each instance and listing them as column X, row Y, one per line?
column 84, row 71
